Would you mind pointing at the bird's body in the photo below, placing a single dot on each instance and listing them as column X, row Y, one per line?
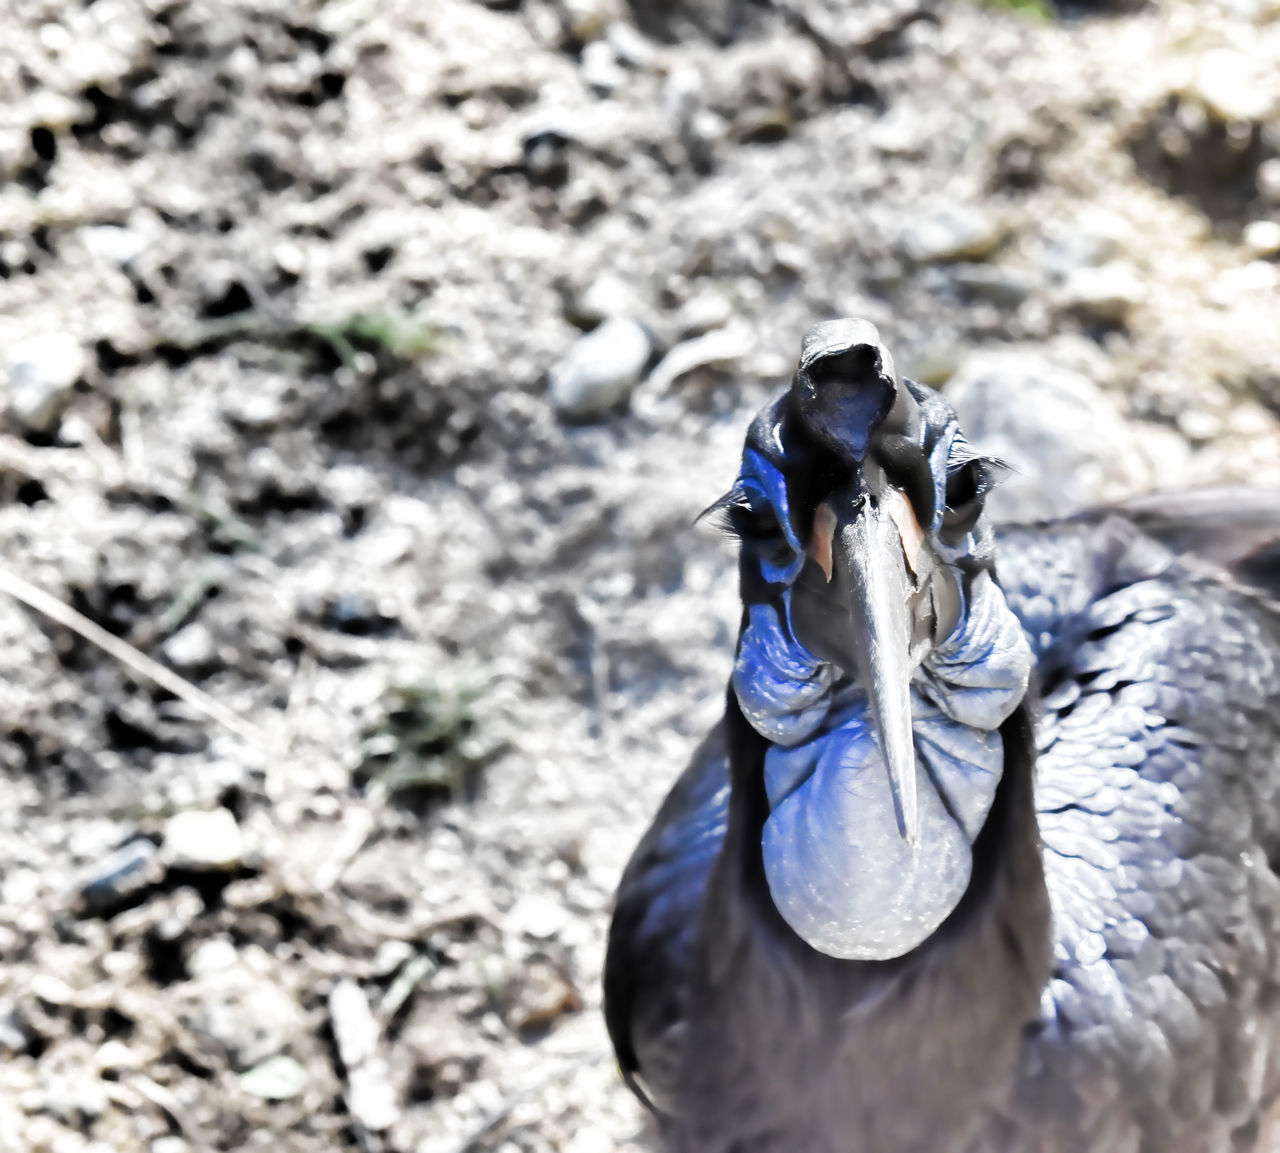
column 1105, row 979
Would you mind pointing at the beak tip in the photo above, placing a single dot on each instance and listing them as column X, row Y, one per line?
column 907, row 815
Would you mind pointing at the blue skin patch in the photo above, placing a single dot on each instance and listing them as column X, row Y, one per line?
column 837, row 868
column 782, row 688
column 760, row 479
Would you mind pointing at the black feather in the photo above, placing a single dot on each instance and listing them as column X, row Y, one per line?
column 1144, row 1015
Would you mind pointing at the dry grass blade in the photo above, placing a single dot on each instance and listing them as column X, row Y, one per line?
column 63, row 614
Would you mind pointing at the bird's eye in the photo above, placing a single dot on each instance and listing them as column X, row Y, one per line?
column 964, row 484
column 967, row 484
column 755, row 522
column 756, row 525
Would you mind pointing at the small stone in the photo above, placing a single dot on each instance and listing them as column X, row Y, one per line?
column 121, row 965
column 202, row 841
column 600, row 69
column 216, row 955
column 934, row 366
column 354, row 1029
column 43, row 370
column 52, row 990
column 21, row 887
column 720, row 346
column 92, row 839
column 15, row 1038
column 359, row 615
column 1269, row 179
column 1262, row 237
column 537, row 917
column 543, row 996
column 350, row 486
column 115, row 1054
column 1228, row 85
column 14, row 253
column 289, row 258
column 702, row 133
column 115, row 243
column 546, row 150
column 76, row 1101
column 763, row 123
column 955, row 233
column 121, row 877
column 169, row 1144
column 587, row 20
column 1258, row 276
column 600, row 370
column 390, row 957
column 591, row 1141
column 370, row 1096
column 897, row 135
column 15, row 151
column 1110, row 292
column 222, row 292
column 1197, row 424
column 247, row 1015
column 1092, row 237
column 173, row 914
column 631, row 48
column 1001, row 286
column 708, row 309
column 275, row 1079
column 55, row 111
column 259, row 410
column 606, row 296
column 190, row 648
column 1049, row 423
column 55, row 38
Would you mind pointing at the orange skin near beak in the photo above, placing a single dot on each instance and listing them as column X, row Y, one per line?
column 824, row 530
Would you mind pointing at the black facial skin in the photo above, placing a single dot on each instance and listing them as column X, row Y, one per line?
column 815, row 466
column 813, row 470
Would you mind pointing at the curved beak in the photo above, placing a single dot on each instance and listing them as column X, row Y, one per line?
column 862, row 552
column 871, row 551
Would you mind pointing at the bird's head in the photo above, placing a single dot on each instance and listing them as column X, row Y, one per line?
column 878, row 656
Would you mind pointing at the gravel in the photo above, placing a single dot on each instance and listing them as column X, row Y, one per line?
column 199, row 840
column 294, row 300
column 600, row 370
column 42, row 372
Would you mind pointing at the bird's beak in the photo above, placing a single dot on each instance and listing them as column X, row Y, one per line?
column 863, row 552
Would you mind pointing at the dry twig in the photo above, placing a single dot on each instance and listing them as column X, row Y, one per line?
column 63, row 614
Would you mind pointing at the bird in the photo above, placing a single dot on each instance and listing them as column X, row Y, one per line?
column 984, row 853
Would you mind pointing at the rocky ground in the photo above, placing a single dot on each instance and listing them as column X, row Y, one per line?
column 367, row 362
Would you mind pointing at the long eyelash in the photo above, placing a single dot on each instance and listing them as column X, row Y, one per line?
column 996, row 471
column 992, row 470
column 719, row 513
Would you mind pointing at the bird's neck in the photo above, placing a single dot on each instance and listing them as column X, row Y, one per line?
column 858, row 1027
column 910, row 1052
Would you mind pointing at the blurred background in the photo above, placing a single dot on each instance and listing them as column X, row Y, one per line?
column 366, row 363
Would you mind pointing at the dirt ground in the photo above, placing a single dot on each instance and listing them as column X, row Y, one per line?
column 292, row 401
